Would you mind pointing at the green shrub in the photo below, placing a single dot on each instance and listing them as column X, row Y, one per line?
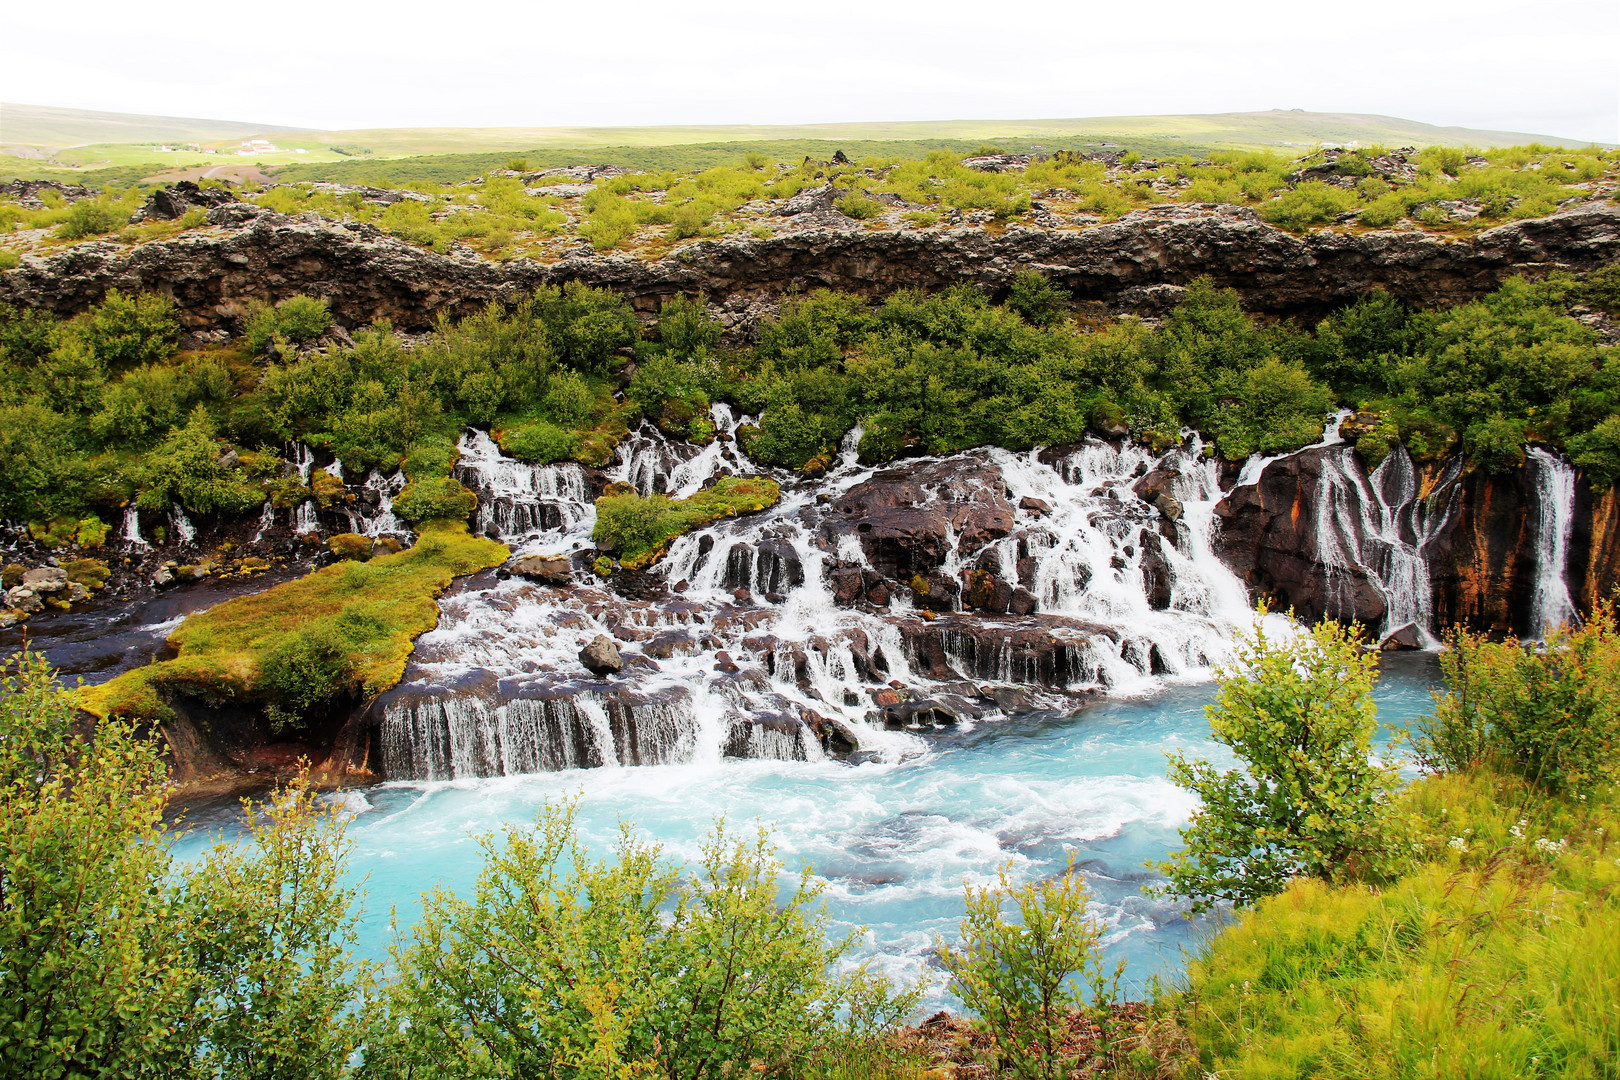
column 44, row 473
column 859, row 205
column 1601, row 289
column 1035, row 298
column 435, row 498
column 540, row 441
column 1543, row 712
column 124, row 331
column 295, row 320
column 1311, row 203
column 118, row 961
column 9, row 260
column 305, row 671
column 1496, row 444
column 1309, row 800
column 92, row 217
column 563, row 965
column 686, row 328
column 185, row 468
column 1018, row 976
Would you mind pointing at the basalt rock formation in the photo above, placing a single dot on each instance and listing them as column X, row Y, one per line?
column 1321, row 546
column 1138, row 263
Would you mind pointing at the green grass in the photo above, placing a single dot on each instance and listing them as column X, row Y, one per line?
column 80, row 141
column 1499, row 957
column 640, row 527
column 371, row 612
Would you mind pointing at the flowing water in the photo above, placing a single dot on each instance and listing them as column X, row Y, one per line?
column 893, row 842
column 741, row 656
column 1553, row 496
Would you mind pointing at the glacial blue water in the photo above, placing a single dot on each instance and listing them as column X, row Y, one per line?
column 893, row 842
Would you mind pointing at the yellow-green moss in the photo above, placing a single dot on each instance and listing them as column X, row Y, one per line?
column 374, row 610
column 640, row 527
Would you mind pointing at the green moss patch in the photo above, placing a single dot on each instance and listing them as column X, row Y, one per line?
column 640, row 527
column 345, row 629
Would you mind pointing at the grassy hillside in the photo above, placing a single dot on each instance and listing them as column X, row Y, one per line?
column 44, row 141
column 47, row 125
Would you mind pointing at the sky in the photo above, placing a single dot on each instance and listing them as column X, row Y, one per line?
column 1549, row 67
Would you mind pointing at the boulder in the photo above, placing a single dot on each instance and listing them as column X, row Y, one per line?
column 546, row 569
column 45, row 580
column 601, row 656
column 24, row 599
column 1403, row 638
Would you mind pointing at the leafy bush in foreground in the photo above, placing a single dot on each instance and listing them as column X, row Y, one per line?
column 561, row 965
column 115, row 961
column 1309, row 800
column 1018, row 976
column 1497, row 959
column 1546, row 712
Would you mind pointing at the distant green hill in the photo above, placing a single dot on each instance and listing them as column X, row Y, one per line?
column 48, row 126
column 44, row 141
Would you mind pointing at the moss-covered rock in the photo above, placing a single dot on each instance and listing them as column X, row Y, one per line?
column 640, row 527
column 356, row 619
column 350, row 546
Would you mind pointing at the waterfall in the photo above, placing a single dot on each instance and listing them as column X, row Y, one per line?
column 519, row 502
column 267, row 521
column 1554, row 499
column 1122, row 592
column 184, row 531
column 131, row 531
column 1377, row 529
column 302, row 458
column 373, row 514
column 306, row 518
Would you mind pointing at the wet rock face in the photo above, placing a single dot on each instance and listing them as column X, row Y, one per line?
column 1481, row 560
column 1268, row 534
column 908, row 519
column 1139, row 264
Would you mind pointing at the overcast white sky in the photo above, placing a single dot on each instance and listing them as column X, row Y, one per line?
column 1549, row 66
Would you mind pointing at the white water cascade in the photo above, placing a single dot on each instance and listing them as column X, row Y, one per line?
column 131, row 531
column 373, row 513
column 1375, row 530
column 750, row 649
column 518, row 502
column 184, row 531
column 1554, row 498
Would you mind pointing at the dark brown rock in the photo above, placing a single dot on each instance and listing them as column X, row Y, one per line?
column 1137, row 263
column 601, row 656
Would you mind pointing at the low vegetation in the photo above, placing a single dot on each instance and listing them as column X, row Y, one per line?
column 340, row 632
column 1495, row 952
column 668, row 195
column 1486, row 944
column 101, row 410
column 639, row 528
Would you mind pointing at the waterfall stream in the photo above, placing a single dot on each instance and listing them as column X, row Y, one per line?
column 1554, row 500
column 750, row 650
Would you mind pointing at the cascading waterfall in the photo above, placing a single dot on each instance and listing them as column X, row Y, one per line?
column 306, row 518
column 519, row 502
column 1554, row 497
column 1377, row 529
column 131, row 531
column 790, row 673
column 373, row 513
column 184, row 531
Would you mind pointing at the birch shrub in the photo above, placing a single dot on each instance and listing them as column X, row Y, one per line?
column 1309, row 799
